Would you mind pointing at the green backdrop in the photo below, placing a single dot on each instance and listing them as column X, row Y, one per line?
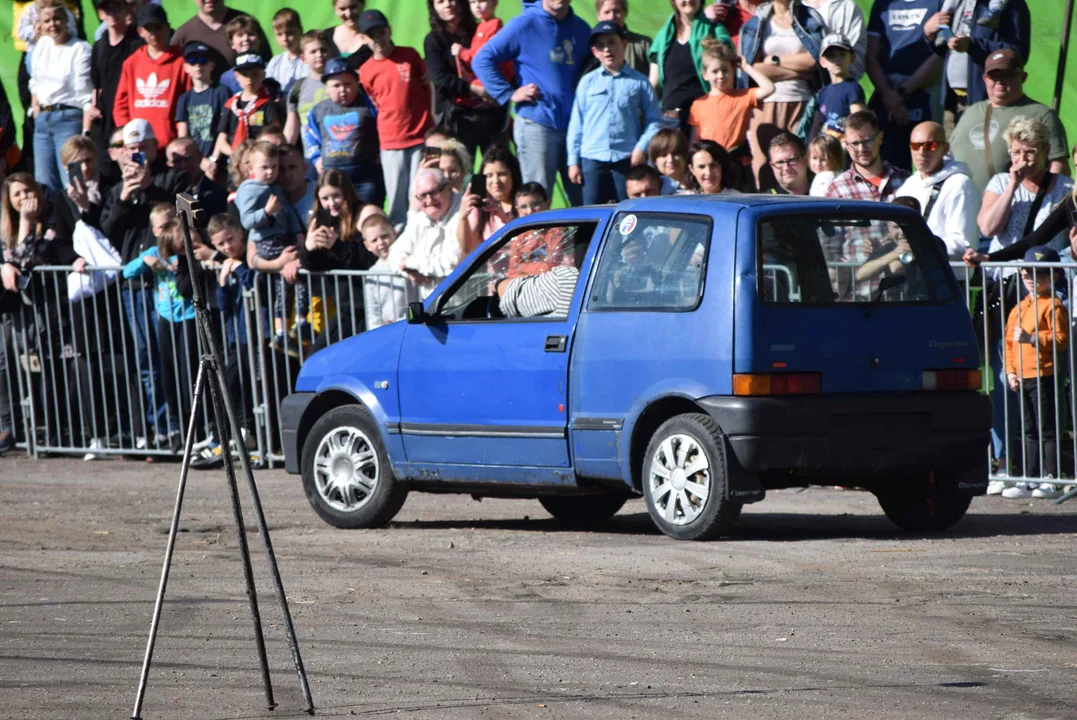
column 410, row 25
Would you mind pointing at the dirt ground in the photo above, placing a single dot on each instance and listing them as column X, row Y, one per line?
column 817, row 608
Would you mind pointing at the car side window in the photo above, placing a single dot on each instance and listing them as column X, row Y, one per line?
column 652, row 262
column 523, row 257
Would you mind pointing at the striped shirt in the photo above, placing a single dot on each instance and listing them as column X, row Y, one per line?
column 548, row 294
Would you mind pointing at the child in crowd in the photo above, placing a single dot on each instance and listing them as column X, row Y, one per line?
column 177, row 337
column 843, row 96
column 245, row 37
column 724, row 114
column 308, row 90
column 152, row 80
column 537, row 251
column 1036, row 335
column 638, row 47
column 386, row 296
column 668, row 152
column 826, row 158
column 288, row 67
column 273, row 225
column 198, row 113
column 342, row 132
column 234, row 277
column 251, row 110
column 396, row 82
column 609, row 131
column 488, row 26
column 530, row 199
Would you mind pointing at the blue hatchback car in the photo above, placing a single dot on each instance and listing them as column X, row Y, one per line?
column 695, row 350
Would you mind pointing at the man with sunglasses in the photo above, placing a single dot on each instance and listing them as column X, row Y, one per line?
column 427, row 251
column 942, row 186
column 1005, row 76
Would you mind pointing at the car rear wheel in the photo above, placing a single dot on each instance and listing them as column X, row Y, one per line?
column 929, row 503
column 684, row 479
column 346, row 472
column 583, row 511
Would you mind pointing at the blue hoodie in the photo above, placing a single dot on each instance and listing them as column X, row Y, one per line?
column 547, row 53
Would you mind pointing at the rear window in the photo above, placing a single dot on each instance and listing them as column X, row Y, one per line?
column 808, row 260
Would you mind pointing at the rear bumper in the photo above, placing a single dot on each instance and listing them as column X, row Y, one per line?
column 864, row 435
column 292, row 409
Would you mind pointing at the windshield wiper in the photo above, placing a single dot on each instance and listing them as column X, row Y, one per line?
column 887, row 283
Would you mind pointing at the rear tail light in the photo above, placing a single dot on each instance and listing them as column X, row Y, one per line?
column 777, row 383
column 952, row 380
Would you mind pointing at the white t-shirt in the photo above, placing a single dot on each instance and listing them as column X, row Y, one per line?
column 1022, row 206
column 286, row 69
column 821, row 184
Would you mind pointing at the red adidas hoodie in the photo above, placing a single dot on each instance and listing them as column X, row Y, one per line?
column 150, row 89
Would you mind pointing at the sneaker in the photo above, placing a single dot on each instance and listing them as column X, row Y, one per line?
column 995, row 487
column 202, row 445
column 95, row 444
column 283, row 344
column 1048, row 491
column 208, row 457
column 302, row 332
column 140, row 443
column 1017, row 492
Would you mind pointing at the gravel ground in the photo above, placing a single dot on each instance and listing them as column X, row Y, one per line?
column 817, row 608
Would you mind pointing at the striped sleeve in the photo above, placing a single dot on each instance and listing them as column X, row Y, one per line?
column 548, row 294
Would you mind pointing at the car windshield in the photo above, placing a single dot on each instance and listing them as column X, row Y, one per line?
column 810, row 260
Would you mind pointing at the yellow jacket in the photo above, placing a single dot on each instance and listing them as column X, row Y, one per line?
column 1046, row 319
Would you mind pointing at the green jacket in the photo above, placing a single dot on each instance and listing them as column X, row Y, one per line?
column 701, row 28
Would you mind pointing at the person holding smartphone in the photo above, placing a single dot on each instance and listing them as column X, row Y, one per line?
column 488, row 203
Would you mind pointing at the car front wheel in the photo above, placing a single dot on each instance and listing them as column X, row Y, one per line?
column 346, row 472
column 684, row 479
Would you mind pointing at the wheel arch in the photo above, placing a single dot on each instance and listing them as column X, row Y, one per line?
column 322, row 403
column 646, row 423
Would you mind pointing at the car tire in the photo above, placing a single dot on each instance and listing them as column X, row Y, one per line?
column 924, row 504
column 346, row 472
column 583, row 511
column 688, row 505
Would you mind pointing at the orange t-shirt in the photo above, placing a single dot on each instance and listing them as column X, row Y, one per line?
column 724, row 118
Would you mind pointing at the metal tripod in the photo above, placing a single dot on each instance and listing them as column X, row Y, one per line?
column 211, row 376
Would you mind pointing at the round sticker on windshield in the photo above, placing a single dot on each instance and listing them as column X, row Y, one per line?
column 628, row 225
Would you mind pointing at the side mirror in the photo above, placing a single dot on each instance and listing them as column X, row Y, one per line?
column 417, row 314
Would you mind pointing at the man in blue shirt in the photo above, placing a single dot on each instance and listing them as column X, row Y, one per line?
column 903, row 66
column 605, row 129
column 547, row 42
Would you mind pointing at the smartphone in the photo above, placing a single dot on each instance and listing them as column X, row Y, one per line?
column 478, row 185
column 139, row 158
column 74, row 171
column 431, row 152
column 946, row 33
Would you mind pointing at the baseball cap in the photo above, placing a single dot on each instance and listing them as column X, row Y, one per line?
column 337, row 66
column 835, row 40
column 372, row 19
column 249, row 60
column 137, row 131
column 1006, row 60
column 607, row 28
column 150, row 14
column 196, row 49
column 1041, row 253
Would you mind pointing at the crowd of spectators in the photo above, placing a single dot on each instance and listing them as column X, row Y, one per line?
column 346, row 151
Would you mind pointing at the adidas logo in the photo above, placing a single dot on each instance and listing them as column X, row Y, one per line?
column 151, row 91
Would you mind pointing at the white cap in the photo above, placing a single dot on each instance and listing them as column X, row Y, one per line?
column 136, row 131
column 835, row 40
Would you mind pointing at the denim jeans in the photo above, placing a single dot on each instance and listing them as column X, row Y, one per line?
column 542, row 153
column 51, row 131
column 604, row 182
column 141, row 317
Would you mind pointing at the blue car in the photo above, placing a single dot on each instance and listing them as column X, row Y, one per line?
column 695, row 350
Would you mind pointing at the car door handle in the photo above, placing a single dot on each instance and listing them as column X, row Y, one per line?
column 556, row 343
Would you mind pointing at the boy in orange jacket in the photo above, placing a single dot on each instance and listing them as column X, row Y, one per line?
column 1036, row 334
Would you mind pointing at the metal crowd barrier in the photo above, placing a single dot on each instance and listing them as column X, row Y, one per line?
column 76, row 379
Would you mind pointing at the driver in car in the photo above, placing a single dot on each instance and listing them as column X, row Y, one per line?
column 546, row 294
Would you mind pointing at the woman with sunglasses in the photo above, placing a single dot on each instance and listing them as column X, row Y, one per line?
column 947, row 195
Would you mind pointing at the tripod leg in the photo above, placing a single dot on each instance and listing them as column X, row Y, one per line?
column 187, row 451
column 263, row 531
column 215, row 393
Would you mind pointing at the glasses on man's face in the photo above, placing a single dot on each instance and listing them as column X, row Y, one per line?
column 865, row 143
column 786, row 163
column 929, row 146
column 118, row 145
column 429, row 194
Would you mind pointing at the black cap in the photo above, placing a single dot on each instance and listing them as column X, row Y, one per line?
column 196, row 49
column 607, row 28
column 372, row 19
column 150, row 14
column 102, row 4
column 337, row 66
